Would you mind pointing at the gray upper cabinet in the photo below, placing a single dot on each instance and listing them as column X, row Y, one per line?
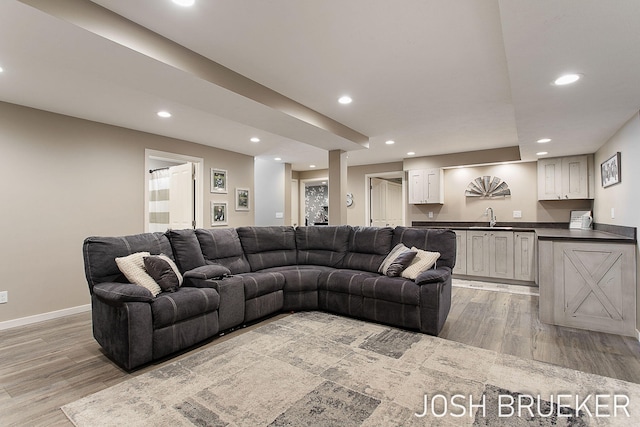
column 564, row 178
column 426, row 186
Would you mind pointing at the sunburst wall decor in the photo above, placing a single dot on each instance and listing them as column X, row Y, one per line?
column 487, row 186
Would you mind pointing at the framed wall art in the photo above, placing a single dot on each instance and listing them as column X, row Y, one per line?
column 242, row 199
column 610, row 170
column 218, row 213
column 218, row 180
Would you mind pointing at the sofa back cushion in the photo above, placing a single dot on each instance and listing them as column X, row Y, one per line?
column 322, row 245
column 267, row 247
column 186, row 249
column 222, row 246
column 429, row 239
column 368, row 247
column 100, row 254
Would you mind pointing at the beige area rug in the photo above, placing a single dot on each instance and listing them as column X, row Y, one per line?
column 318, row 369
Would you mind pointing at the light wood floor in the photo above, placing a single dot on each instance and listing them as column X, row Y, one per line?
column 46, row 365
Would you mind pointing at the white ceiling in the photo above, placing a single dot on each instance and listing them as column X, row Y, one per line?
column 436, row 76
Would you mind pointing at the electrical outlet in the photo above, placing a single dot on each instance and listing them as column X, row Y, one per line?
column 517, row 214
column 430, row 214
column 4, row 297
column 613, row 213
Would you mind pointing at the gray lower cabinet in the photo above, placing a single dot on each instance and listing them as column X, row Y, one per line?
column 461, row 252
column 496, row 254
column 524, row 256
column 588, row 285
column 490, row 254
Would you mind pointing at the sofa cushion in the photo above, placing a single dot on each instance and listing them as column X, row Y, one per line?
column 394, row 289
column 429, row 239
column 267, row 247
column 170, row 308
column 322, row 245
column 397, row 260
column 164, row 271
column 423, row 261
column 222, row 246
column 132, row 266
column 186, row 249
column 260, row 283
column 368, row 247
column 100, row 254
column 344, row 281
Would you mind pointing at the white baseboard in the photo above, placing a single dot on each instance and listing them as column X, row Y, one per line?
column 44, row 316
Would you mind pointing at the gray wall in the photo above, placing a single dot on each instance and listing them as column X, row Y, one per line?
column 269, row 194
column 64, row 179
column 622, row 197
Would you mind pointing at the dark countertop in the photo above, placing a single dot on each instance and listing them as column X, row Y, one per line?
column 545, row 230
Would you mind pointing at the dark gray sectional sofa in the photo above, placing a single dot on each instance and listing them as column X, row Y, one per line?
column 236, row 276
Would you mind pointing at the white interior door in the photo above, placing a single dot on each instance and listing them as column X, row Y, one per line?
column 386, row 203
column 181, row 197
column 378, row 191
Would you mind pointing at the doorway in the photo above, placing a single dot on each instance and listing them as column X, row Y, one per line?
column 175, row 200
column 314, row 201
column 385, row 199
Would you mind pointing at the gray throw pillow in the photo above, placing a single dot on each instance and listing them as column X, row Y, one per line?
column 400, row 263
column 160, row 269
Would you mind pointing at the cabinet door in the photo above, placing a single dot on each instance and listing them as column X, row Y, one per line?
column 524, row 256
column 595, row 286
column 478, row 253
column 416, row 187
column 433, row 180
column 461, row 252
column 549, row 179
column 574, row 177
column 501, row 254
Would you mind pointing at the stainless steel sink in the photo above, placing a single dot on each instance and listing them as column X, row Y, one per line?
column 491, row 228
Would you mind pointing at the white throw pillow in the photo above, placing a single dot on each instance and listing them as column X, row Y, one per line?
column 424, row 260
column 132, row 266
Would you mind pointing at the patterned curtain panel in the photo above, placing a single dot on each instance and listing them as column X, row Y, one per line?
column 159, row 200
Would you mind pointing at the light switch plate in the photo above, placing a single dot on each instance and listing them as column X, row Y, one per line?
column 4, row 297
column 517, row 214
column 279, row 215
column 613, row 213
column 430, row 214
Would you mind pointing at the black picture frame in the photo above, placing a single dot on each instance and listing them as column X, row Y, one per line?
column 610, row 173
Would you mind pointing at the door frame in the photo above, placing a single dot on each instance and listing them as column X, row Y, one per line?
column 367, row 193
column 199, row 184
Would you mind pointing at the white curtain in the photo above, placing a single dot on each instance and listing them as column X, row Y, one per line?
column 159, row 200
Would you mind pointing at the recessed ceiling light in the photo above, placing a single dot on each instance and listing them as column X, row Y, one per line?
column 541, row 153
column 566, row 79
column 346, row 99
column 277, row 159
column 324, row 182
column 312, row 166
column 184, row 3
column 543, row 140
column 390, row 142
column 255, row 139
column 164, row 114
column 411, row 153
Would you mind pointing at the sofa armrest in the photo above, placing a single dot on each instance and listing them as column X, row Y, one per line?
column 118, row 293
column 433, row 275
column 210, row 271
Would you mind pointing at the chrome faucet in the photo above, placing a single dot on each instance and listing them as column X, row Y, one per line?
column 492, row 220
